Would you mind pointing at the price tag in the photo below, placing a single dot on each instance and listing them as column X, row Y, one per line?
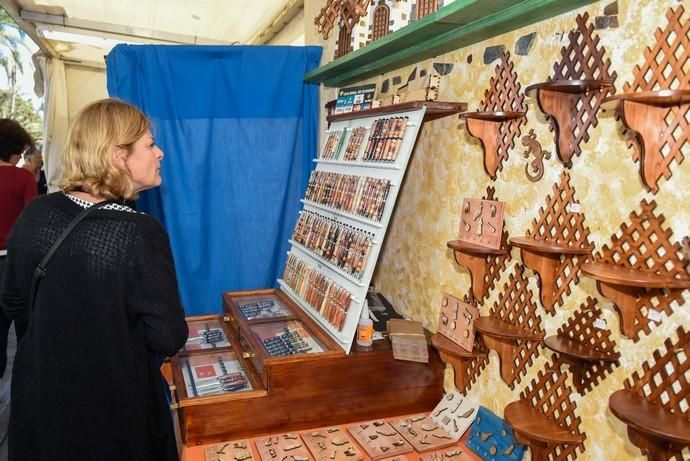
column 574, row 208
column 654, row 316
column 600, row 324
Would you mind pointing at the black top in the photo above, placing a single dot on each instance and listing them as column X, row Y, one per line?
column 86, row 382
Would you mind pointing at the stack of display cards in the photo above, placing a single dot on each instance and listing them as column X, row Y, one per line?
column 238, row 450
column 205, row 334
column 423, row 433
column 261, row 307
column 455, row 413
column 283, row 447
column 331, row 444
column 210, row 374
column 409, row 341
column 379, row 439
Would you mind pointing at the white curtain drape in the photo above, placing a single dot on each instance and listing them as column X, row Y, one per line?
column 51, row 83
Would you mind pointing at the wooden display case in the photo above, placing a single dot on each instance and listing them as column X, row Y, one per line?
column 298, row 391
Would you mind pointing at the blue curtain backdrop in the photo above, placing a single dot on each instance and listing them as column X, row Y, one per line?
column 239, row 130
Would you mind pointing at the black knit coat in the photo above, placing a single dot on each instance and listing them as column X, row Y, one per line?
column 86, row 382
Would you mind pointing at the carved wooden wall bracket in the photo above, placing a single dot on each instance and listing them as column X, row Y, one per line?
column 586, row 347
column 654, row 405
column 572, row 97
column 557, row 245
column 484, row 264
column 641, row 272
column 544, row 417
column 655, row 107
column 513, row 328
column 501, row 114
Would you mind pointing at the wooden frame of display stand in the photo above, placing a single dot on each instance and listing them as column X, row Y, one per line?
column 651, row 404
column 393, row 171
column 586, row 348
column 552, row 431
column 513, row 328
column 572, row 98
column 557, row 245
column 656, row 114
column 634, row 272
column 501, row 114
column 484, row 264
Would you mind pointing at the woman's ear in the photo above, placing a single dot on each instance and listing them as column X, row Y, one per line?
column 119, row 157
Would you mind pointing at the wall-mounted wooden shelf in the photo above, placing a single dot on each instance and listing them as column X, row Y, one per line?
column 623, row 286
column 662, row 433
column 557, row 245
column 505, row 339
column 544, row 258
column 466, row 365
column 544, row 417
column 654, row 402
column 434, row 110
column 542, row 434
column 486, row 127
column 578, row 355
column 454, row 26
column 644, row 112
column 478, row 261
column 558, row 99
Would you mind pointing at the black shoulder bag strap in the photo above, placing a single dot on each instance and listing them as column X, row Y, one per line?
column 42, row 268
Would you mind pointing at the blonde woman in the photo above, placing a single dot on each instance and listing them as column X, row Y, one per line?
column 86, row 383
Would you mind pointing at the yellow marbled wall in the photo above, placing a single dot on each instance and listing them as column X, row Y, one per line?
column 415, row 266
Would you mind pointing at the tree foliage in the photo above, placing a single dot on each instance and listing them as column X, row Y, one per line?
column 24, row 113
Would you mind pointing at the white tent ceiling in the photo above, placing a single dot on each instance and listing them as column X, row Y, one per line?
column 85, row 30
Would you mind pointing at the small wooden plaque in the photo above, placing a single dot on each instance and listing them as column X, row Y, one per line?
column 423, row 433
column 283, row 446
column 481, row 222
column 455, row 413
column 238, row 450
column 456, row 321
column 332, row 444
column 379, row 439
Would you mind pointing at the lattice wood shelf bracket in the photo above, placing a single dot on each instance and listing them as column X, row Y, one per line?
column 513, row 328
column 467, row 366
column 352, row 11
column 655, row 405
column 557, row 245
column 585, row 345
column 642, row 272
column 571, row 99
column 327, row 16
column 655, row 107
column 544, row 417
column 500, row 117
column 484, row 264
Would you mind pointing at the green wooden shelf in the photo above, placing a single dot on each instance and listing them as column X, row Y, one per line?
column 454, row 26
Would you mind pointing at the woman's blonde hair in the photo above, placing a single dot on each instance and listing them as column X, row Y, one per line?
column 87, row 161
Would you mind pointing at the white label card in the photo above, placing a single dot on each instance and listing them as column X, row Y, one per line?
column 600, row 324
column 654, row 316
column 574, row 208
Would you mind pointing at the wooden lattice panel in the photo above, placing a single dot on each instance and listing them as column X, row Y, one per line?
column 473, row 367
column 644, row 244
column 583, row 329
column 550, row 395
column 516, row 307
column 664, row 382
column 495, row 263
column 505, row 95
column 560, row 221
column 352, row 11
column 582, row 59
column 327, row 17
column 666, row 66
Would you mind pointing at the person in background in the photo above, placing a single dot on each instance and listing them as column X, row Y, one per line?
column 17, row 189
column 86, row 382
column 33, row 162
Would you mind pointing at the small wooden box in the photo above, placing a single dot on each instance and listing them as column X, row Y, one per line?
column 300, row 391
